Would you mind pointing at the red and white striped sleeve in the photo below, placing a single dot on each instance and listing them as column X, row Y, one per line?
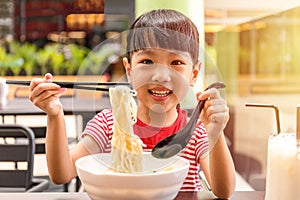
column 100, row 129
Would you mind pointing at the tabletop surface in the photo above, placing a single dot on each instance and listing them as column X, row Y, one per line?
column 239, row 195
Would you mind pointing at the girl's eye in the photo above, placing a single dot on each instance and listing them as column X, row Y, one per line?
column 147, row 62
column 177, row 62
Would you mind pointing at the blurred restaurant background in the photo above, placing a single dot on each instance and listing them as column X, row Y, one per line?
column 252, row 46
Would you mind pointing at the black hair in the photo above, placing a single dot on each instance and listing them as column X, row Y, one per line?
column 164, row 28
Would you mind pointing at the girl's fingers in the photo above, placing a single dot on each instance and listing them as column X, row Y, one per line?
column 45, row 94
column 216, row 109
column 219, row 118
column 48, row 77
column 52, row 93
column 215, row 102
column 40, row 99
column 43, row 88
column 212, row 93
column 36, row 81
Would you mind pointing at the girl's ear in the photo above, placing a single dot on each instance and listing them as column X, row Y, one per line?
column 127, row 67
column 195, row 73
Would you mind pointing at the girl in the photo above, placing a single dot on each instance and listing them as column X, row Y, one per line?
column 161, row 64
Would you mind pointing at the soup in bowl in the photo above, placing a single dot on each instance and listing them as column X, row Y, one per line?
column 161, row 179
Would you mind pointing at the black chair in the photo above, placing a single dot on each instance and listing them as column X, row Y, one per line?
column 40, row 131
column 17, row 146
column 40, row 139
column 40, row 135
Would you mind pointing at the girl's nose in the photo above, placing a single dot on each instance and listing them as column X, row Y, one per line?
column 161, row 74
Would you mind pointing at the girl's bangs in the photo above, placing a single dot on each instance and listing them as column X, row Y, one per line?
column 154, row 37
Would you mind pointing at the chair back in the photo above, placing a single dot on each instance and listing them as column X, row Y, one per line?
column 40, row 138
column 17, row 148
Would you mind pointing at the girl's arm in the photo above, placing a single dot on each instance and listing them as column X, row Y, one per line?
column 218, row 166
column 61, row 162
column 219, row 169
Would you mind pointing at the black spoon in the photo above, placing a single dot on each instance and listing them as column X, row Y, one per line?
column 173, row 144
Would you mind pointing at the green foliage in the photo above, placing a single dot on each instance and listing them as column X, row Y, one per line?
column 26, row 58
column 100, row 58
column 78, row 55
column 9, row 61
column 27, row 52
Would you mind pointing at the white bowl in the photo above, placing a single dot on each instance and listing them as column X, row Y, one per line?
column 101, row 183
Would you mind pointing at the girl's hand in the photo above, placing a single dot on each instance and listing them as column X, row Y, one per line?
column 215, row 113
column 45, row 94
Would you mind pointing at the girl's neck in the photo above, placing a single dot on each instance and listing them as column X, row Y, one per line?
column 158, row 116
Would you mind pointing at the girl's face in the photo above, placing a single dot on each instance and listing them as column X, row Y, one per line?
column 161, row 77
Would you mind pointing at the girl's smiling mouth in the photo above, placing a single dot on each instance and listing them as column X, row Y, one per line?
column 160, row 94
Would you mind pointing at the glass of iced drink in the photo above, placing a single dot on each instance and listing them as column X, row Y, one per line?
column 283, row 168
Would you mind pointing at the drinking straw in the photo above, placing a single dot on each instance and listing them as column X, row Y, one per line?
column 298, row 125
column 276, row 112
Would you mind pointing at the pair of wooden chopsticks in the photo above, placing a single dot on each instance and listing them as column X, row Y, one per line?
column 77, row 85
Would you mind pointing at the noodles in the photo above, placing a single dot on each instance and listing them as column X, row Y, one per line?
column 126, row 146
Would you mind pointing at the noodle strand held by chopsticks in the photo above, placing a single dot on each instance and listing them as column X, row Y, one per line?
column 126, row 146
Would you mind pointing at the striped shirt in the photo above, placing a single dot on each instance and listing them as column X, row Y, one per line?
column 100, row 128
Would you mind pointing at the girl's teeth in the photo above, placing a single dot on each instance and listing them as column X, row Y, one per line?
column 160, row 93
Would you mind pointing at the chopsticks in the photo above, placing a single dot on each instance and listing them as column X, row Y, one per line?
column 77, row 85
